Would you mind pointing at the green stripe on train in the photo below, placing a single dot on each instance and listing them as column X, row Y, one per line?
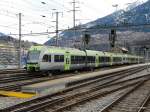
column 30, row 67
column 97, row 61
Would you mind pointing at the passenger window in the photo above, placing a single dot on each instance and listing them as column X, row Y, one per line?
column 56, row 58
column 45, row 58
column 59, row 58
column 72, row 59
column 49, row 57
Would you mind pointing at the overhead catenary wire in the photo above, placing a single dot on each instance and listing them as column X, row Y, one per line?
column 25, row 17
column 13, row 13
column 14, row 16
column 132, row 26
column 34, row 16
column 48, row 3
column 30, row 17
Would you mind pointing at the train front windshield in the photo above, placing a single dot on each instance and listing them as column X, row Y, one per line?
column 33, row 56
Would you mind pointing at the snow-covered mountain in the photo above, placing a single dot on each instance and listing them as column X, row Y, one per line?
column 136, row 14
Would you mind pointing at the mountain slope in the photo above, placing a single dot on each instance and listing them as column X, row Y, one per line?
column 136, row 15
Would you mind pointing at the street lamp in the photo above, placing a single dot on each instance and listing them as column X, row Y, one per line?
column 56, row 21
column 43, row 15
column 116, row 6
column 43, row 3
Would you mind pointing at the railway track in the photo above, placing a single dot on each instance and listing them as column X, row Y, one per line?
column 11, row 75
column 9, row 72
column 78, row 93
column 16, row 86
column 18, row 77
column 133, row 100
column 6, row 71
column 14, row 82
column 145, row 107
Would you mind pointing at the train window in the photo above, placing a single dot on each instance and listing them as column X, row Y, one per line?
column 59, row 58
column 49, row 58
column 104, row 59
column 117, row 59
column 91, row 59
column 107, row 59
column 124, row 58
column 72, row 59
column 33, row 55
column 77, row 59
column 88, row 59
column 101, row 59
column 83, row 59
column 45, row 58
column 56, row 58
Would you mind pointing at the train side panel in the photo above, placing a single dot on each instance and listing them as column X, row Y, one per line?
column 44, row 58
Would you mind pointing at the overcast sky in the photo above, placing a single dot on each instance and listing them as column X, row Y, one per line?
column 38, row 16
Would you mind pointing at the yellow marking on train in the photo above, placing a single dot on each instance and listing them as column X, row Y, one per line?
column 16, row 94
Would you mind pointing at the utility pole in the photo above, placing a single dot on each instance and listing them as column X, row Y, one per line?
column 19, row 53
column 57, row 30
column 147, row 59
column 74, row 13
column 74, row 16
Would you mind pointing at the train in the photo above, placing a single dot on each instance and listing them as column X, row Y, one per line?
column 52, row 58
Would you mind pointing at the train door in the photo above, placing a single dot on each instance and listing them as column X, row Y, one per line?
column 67, row 61
column 97, row 61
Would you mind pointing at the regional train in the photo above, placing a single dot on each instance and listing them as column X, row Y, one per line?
column 50, row 58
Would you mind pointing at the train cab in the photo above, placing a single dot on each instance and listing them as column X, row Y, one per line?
column 33, row 58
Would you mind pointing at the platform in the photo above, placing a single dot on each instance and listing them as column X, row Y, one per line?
column 53, row 86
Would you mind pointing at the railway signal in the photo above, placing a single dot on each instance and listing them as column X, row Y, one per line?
column 86, row 39
column 112, row 38
column 146, row 49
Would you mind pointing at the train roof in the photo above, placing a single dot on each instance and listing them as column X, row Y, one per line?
column 74, row 51
column 53, row 49
column 119, row 55
column 35, row 48
column 91, row 52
